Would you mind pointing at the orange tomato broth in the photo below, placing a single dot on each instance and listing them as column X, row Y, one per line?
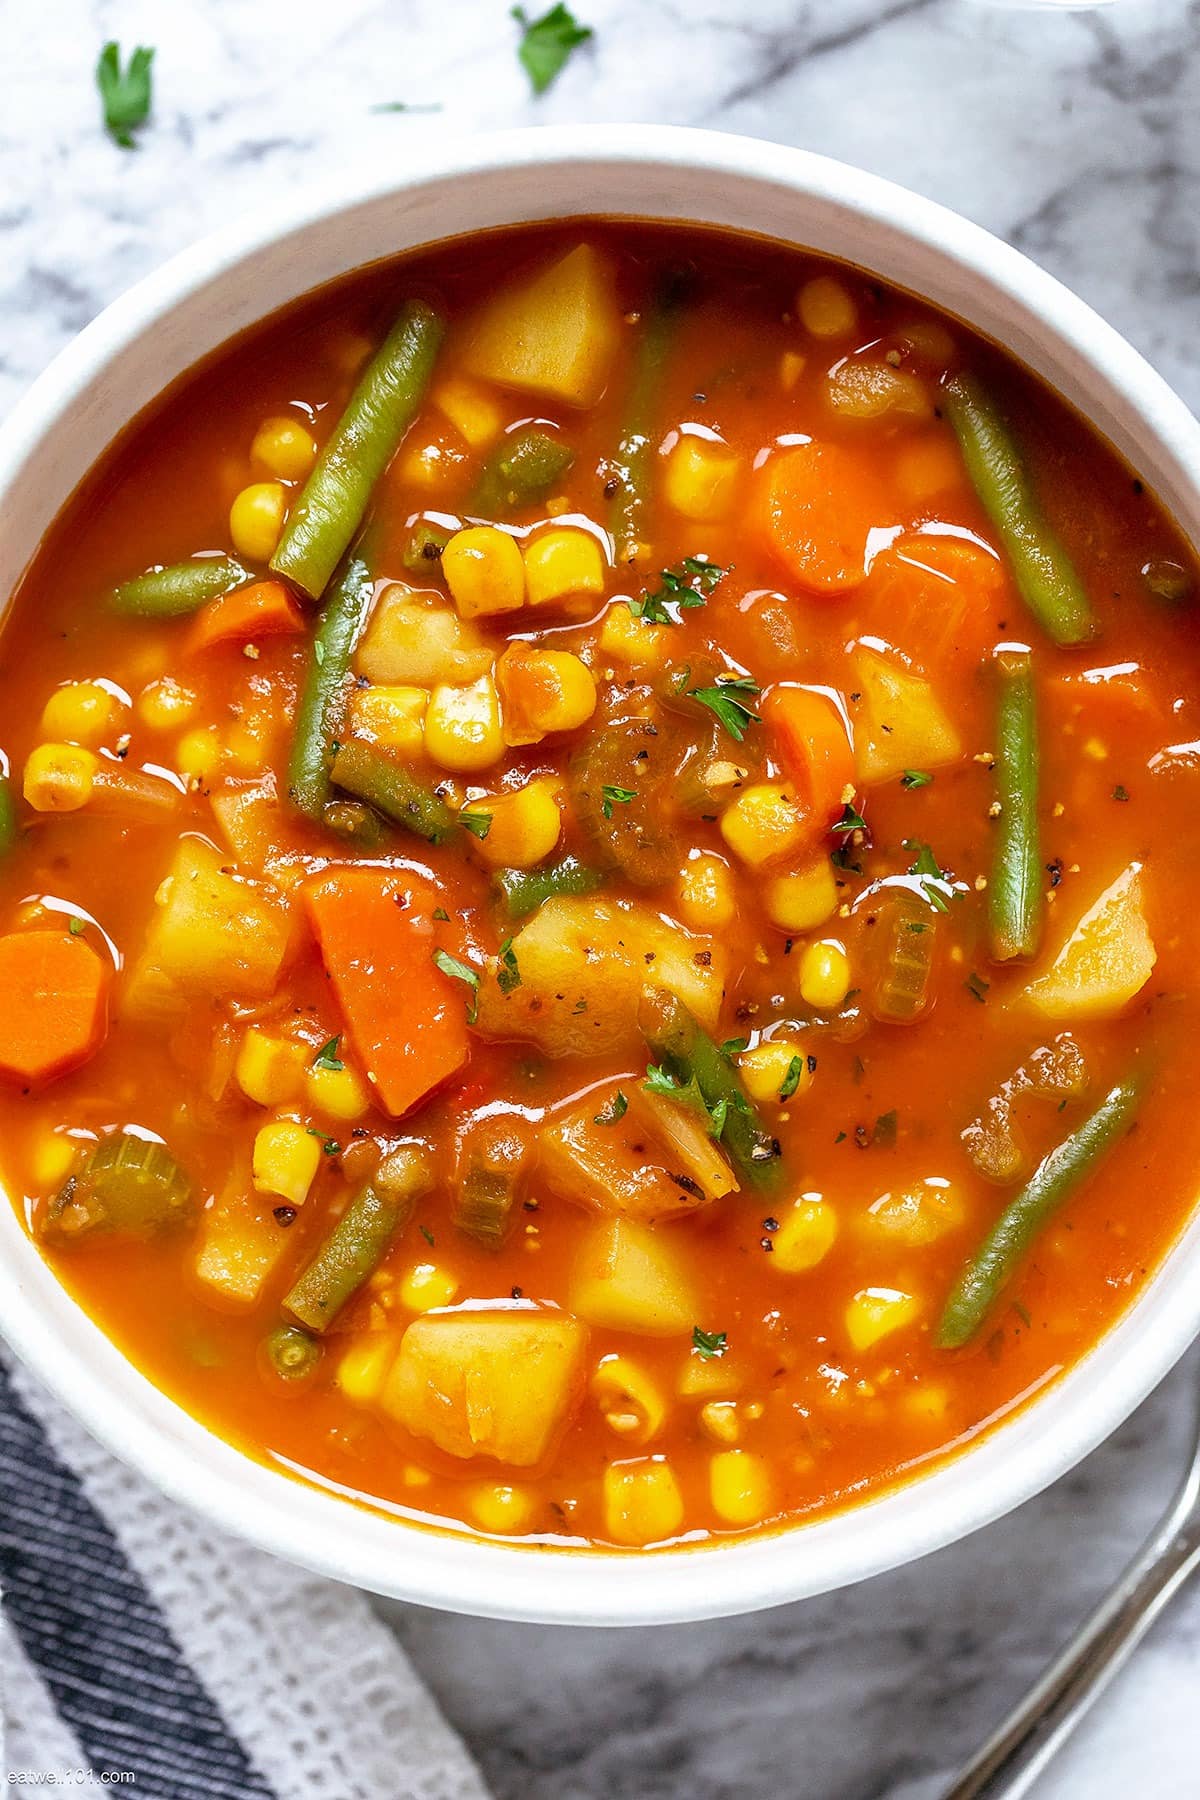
column 816, row 1420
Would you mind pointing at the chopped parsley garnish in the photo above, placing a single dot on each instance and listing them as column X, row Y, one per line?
column 547, row 43
column 709, row 1344
column 427, row 1235
column 327, row 1057
column 885, row 1129
column 329, row 1145
column 727, row 699
column 477, row 823
column 460, row 971
column 124, row 92
column 615, row 1109
column 915, row 778
column 932, row 878
column 975, row 984
column 791, row 1080
column 508, row 975
column 851, row 820
column 1120, row 792
column 615, row 796
column 439, row 912
column 660, row 1081
column 77, row 926
column 733, row 1047
column 682, row 589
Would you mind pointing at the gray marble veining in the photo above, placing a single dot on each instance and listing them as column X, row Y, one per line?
column 1074, row 133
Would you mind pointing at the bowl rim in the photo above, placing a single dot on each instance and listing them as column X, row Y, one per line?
column 365, row 1547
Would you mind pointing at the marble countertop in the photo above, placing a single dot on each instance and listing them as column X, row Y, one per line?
column 1075, row 134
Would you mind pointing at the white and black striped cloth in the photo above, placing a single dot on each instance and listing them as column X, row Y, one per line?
column 140, row 1647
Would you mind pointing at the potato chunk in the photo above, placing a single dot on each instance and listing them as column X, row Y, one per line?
column 553, row 333
column 1108, row 958
column 413, row 640
column 212, row 933
column 650, row 1160
column 583, row 963
column 899, row 722
column 630, row 1277
column 488, row 1384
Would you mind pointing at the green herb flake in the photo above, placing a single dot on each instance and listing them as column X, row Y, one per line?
column 791, row 1080
column 327, row 1057
column 681, row 590
column 661, row 1082
column 77, row 926
column 439, row 912
column 615, row 1109
column 1120, row 792
column 477, row 823
column 709, row 1344
column 546, row 43
column 508, row 974
column 851, row 820
column 885, row 1130
column 125, row 93
column 615, row 796
column 329, row 1145
column 933, row 879
column 976, row 985
column 426, row 1234
column 915, row 778
column 460, row 971
column 733, row 1047
column 727, row 702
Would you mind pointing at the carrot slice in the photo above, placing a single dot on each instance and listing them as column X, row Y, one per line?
column 818, row 504
column 814, row 746
column 939, row 599
column 53, row 1004
column 407, row 1021
column 264, row 609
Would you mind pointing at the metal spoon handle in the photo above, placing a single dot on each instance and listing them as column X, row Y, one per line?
column 1013, row 1758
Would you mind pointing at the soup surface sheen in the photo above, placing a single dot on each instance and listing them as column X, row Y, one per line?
column 546, row 1051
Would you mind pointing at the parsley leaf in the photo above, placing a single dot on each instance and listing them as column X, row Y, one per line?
column 615, row 1109
column 791, row 1080
column 724, row 700
column 885, row 1129
column 851, row 820
column 682, row 589
column 508, row 974
column 427, row 1235
column 329, row 1145
column 460, row 971
column 327, row 1057
column 660, row 1081
column 439, row 912
column 733, row 1047
column 477, row 823
column 77, row 926
column 915, row 778
column 620, row 796
column 975, row 984
column 547, row 43
column 709, row 1344
column 125, row 93
column 933, row 879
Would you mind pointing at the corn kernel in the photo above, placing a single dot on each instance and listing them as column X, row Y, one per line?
column 929, row 1403
column 470, row 409
column 719, row 1419
column 284, row 447
column 642, row 1501
column 706, row 892
column 484, row 571
column 632, row 1402
column 876, row 1312
column 256, row 520
column 269, row 1070
column 165, row 704
column 498, row 1508
column 629, row 640
column 791, row 368
column 286, row 1158
column 82, row 712
column 52, row 1160
column 462, row 726
column 824, row 975
column 826, row 309
column 739, row 1485
column 393, row 717
column 701, row 478
column 525, row 824
column 198, row 753
column 563, row 562
column 770, row 1068
column 363, row 1369
column 58, row 777
column 763, row 823
column 807, row 1233
column 339, row 1093
column 803, row 900
column 426, row 1286
column 543, row 691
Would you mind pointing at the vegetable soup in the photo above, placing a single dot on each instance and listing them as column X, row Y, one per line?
column 596, row 851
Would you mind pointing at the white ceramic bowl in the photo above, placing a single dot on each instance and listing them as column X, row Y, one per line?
column 158, row 330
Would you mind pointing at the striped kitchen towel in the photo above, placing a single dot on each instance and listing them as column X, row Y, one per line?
column 140, row 1648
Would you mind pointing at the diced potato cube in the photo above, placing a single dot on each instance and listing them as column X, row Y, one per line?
column 876, row 1312
column 470, row 409
column 416, row 641
column 1108, row 958
column 392, row 717
column 642, row 1502
column 899, row 722
column 873, row 390
column 711, row 1377
column 241, row 1243
column 462, row 727
column 739, row 1484
column 561, row 563
column 701, row 479
column 807, row 1233
column 635, row 642
column 551, row 333
column 625, row 1164
column 488, row 1384
column 629, row 1277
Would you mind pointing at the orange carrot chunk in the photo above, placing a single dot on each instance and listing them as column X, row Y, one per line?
column 818, row 504
column 939, row 599
column 264, row 609
column 407, row 1021
column 53, row 1004
column 814, row 747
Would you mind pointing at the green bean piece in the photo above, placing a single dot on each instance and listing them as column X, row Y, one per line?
column 1053, row 1181
column 128, row 1184
column 323, row 698
column 675, row 1038
column 360, row 1240
column 372, row 775
column 168, row 593
column 379, row 412
column 1048, row 580
column 1014, row 888
column 293, row 1354
column 525, row 890
column 633, row 460
column 10, row 828
column 523, row 468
